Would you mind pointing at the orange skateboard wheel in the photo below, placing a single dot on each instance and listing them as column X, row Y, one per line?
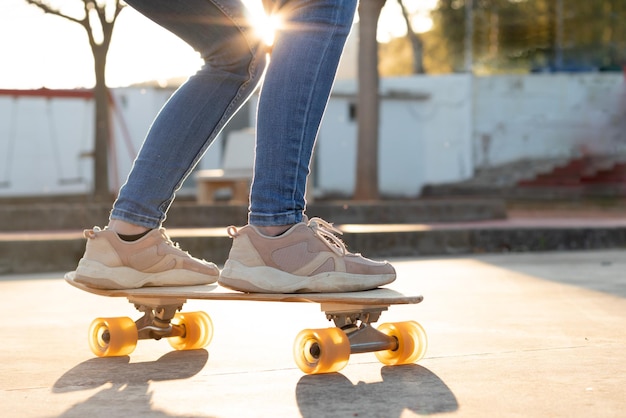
column 324, row 350
column 109, row 337
column 198, row 330
column 412, row 343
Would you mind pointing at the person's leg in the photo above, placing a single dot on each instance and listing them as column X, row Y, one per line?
column 185, row 127
column 280, row 250
column 196, row 113
column 301, row 73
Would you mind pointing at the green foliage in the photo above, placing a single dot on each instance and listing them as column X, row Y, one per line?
column 526, row 35
column 449, row 33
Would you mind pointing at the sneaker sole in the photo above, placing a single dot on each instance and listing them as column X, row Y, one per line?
column 100, row 276
column 265, row 279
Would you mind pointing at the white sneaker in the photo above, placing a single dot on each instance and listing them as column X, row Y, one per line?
column 309, row 257
column 153, row 260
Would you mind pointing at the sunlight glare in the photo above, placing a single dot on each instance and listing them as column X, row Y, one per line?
column 265, row 26
column 140, row 50
column 392, row 24
column 422, row 23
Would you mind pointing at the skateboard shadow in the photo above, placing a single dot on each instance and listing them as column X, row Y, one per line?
column 126, row 386
column 409, row 387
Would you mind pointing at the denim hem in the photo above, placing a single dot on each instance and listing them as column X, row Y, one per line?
column 288, row 218
column 135, row 219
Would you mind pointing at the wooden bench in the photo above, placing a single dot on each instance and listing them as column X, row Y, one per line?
column 236, row 174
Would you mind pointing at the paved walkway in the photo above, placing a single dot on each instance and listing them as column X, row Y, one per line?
column 509, row 335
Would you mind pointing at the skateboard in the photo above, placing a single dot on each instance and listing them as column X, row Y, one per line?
column 325, row 350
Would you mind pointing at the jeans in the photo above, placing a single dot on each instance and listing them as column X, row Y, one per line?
column 297, row 83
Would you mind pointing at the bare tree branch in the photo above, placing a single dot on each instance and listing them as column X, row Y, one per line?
column 50, row 10
column 416, row 43
column 88, row 6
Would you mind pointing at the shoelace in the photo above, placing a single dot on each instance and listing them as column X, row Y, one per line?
column 327, row 232
column 232, row 231
column 91, row 233
column 169, row 241
column 324, row 230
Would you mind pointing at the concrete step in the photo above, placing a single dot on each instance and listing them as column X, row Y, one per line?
column 578, row 178
column 77, row 216
column 32, row 252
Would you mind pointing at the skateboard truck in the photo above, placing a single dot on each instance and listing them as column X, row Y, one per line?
column 156, row 322
column 355, row 321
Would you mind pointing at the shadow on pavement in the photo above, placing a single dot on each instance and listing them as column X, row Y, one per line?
column 126, row 385
column 409, row 387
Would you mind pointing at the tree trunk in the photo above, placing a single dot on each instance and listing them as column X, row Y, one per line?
column 368, row 102
column 102, row 128
column 97, row 17
column 416, row 43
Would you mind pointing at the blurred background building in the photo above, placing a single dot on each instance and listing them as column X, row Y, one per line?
column 490, row 93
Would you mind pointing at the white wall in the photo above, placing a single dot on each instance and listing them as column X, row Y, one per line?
column 42, row 143
column 434, row 129
column 425, row 136
column 548, row 115
column 46, row 142
column 474, row 122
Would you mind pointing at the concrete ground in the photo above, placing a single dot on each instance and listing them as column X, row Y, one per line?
column 533, row 335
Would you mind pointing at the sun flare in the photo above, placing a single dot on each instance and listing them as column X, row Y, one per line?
column 266, row 26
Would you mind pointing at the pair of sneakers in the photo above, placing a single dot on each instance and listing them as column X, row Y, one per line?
column 309, row 257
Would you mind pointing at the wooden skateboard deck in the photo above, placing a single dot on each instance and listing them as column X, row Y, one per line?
column 378, row 296
column 315, row 351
